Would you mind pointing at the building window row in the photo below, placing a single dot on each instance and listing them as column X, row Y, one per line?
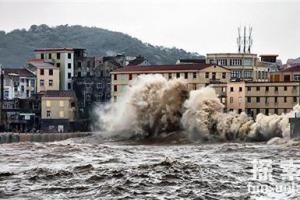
column 50, row 56
column 267, row 88
column 268, row 100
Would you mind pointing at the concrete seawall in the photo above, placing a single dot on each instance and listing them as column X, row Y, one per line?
column 38, row 137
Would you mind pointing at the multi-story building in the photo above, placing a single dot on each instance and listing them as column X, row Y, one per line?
column 262, row 97
column 63, row 59
column 18, row 83
column 47, row 75
column 241, row 64
column 93, row 84
column 195, row 75
column 286, row 75
column 58, row 111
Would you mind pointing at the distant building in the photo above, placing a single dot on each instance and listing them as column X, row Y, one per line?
column 18, row 83
column 241, row 64
column 63, row 59
column 262, row 97
column 195, row 75
column 47, row 74
column 286, row 75
column 58, row 111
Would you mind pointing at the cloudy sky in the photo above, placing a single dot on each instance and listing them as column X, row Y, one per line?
column 203, row 26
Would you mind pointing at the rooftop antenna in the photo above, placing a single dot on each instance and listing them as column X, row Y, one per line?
column 244, row 40
column 239, row 40
column 250, row 40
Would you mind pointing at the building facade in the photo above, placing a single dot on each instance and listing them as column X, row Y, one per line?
column 58, row 111
column 195, row 75
column 63, row 59
column 262, row 97
column 47, row 75
column 18, row 83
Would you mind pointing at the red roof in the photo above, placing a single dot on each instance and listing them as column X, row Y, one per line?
column 295, row 68
column 179, row 67
column 35, row 60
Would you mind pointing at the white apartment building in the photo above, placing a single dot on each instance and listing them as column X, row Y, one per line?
column 63, row 58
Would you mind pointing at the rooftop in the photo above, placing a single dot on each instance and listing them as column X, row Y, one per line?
column 58, row 93
column 57, row 49
column 39, row 63
column 295, row 68
column 232, row 54
column 154, row 68
column 268, row 55
column 22, row 72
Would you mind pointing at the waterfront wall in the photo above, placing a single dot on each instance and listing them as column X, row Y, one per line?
column 38, row 137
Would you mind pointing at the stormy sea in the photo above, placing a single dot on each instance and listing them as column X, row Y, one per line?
column 160, row 141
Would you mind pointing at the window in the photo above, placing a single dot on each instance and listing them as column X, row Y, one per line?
column 240, row 89
column 58, row 65
column 27, row 82
column 257, row 110
column 285, row 88
column 267, row 111
column 231, row 100
column 22, row 80
column 257, row 99
column 42, row 83
column 99, row 85
column 214, row 75
column 32, row 82
column 257, row 88
column 276, row 111
column 206, row 74
column 42, row 56
column 115, row 88
column 50, row 72
column 284, row 99
column 69, row 75
column 296, row 77
column 231, row 89
column 249, row 99
column 69, row 65
column 186, row 75
column 48, row 113
column 194, row 75
column 249, row 88
column 61, row 114
column 115, row 76
column 41, row 71
column 276, row 89
column 48, row 103
column 275, row 100
column 266, row 100
column 69, row 86
column 58, row 56
column 240, row 100
column 130, row 76
column 50, row 55
column 295, row 99
column 27, row 93
column 79, row 74
column 177, row 75
column 267, row 88
column 79, row 64
column 224, row 75
column 170, row 76
column 69, row 55
column 22, row 88
column 50, row 83
column 61, row 103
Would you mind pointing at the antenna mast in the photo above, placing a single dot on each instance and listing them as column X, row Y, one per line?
column 239, row 40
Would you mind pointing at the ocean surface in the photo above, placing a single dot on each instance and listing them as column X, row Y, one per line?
column 91, row 168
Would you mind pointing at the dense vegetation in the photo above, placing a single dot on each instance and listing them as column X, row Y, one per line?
column 17, row 46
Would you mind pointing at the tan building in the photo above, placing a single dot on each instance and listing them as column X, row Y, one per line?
column 47, row 75
column 262, row 97
column 286, row 75
column 196, row 76
column 57, row 110
column 245, row 66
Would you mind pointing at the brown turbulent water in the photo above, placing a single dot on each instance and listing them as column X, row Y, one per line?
column 89, row 168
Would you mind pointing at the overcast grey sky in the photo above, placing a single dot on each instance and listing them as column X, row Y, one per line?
column 203, row 26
